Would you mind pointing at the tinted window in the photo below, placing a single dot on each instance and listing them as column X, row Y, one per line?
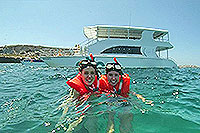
column 123, row 50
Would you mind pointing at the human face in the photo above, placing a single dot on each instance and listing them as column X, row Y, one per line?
column 88, row 75
column 113, row 77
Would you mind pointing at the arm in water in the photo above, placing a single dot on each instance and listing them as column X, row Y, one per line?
column 142, row 98
column 74, row 108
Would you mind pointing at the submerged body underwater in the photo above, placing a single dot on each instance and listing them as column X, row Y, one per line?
column 35, row 98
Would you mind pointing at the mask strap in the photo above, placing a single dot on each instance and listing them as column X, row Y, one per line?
column 120, row 87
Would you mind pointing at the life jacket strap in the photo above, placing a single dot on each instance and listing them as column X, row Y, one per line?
column 93, row 87
column 120, row 87
column 97, row 85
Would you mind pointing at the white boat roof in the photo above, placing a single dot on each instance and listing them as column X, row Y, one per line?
column 121, row 32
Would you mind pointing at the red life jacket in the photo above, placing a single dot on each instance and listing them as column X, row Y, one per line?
column 120, row 88
column 77, row 84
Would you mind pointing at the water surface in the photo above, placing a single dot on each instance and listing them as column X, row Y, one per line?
column 31, row 93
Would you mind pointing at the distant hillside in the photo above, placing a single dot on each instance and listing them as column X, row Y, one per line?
column 32, row 51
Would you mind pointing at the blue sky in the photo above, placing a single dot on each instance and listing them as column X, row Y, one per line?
column 60, row 22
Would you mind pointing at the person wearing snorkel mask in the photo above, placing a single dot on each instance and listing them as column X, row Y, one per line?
column 115, row 81
column 83, row 85
column 86, row 80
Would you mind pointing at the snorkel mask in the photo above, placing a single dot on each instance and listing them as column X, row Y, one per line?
column 87, row 62
column 114, row 67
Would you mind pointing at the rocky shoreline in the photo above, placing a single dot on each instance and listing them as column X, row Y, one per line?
column 188, row 66
column 18, row 53
column 14, row 53
column 31, row 50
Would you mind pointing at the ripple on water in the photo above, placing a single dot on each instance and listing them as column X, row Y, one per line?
column 31, row 94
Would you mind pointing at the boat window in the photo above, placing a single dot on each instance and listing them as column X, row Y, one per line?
column 123, row 50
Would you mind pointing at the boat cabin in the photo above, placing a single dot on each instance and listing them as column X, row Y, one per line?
column 121, row 32
column 126, row 40
column 134, row 47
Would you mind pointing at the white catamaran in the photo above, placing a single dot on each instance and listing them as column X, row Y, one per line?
column 134, row 47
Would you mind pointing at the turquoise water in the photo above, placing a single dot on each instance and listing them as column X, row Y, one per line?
column 30, row 95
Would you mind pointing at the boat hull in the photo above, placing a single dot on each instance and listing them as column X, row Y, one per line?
column 127, row 62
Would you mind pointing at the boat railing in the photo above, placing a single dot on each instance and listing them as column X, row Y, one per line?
column 87, row 42
column 84, row 45
column 164, row 38
column 170, row 58
column 161, row 40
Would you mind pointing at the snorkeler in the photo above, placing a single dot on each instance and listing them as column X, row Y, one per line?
column 115, row 81
column 86, row 80
column 83, row 85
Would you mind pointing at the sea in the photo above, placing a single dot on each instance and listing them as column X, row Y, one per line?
column 35, row 98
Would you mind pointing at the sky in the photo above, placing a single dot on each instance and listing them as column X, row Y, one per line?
column 60, row 22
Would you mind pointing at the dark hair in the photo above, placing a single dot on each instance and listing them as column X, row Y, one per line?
column 89, row 61
column 85, row 63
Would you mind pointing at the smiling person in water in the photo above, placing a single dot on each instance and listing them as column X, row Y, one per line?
column 83, row 85
column 86, row 80
column 115, row 81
